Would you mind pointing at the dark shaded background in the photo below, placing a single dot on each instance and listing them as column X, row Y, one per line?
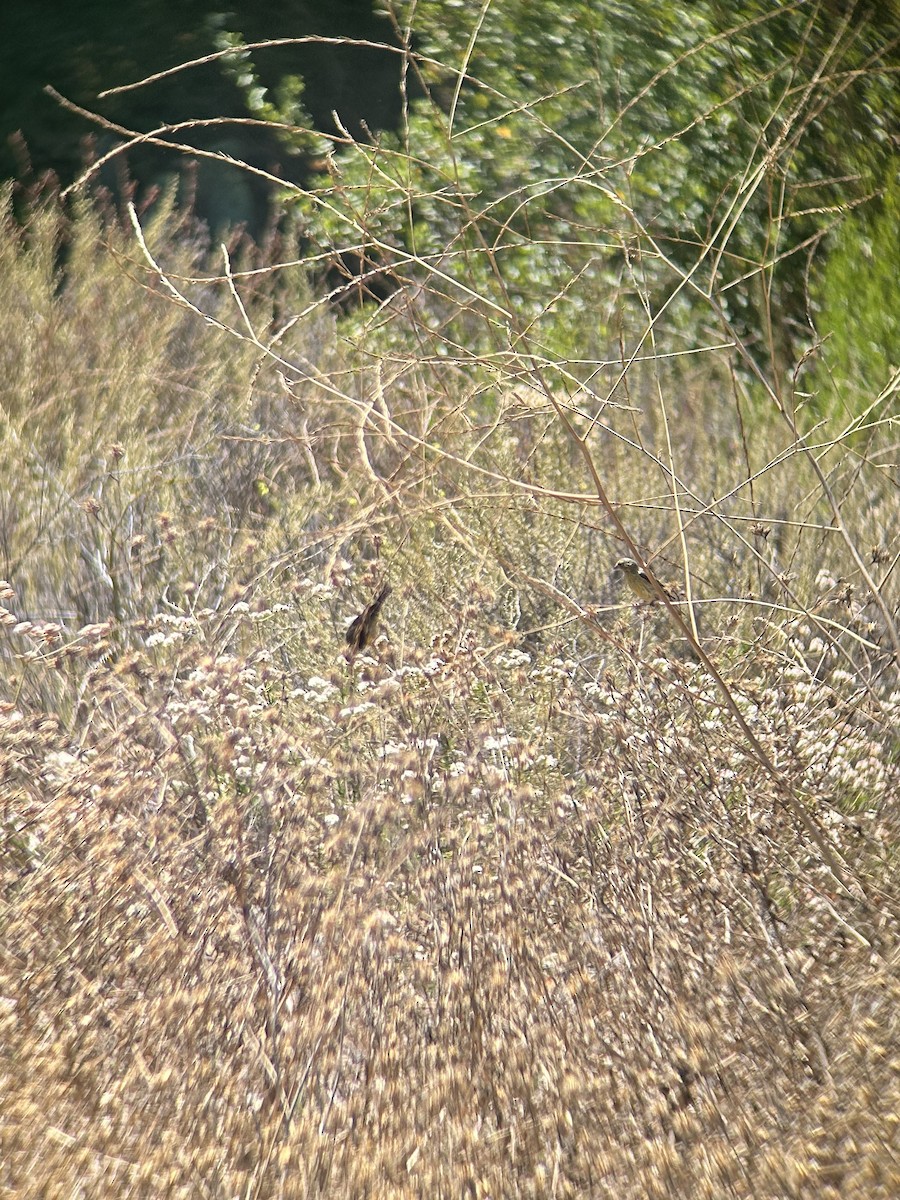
column 82, row 49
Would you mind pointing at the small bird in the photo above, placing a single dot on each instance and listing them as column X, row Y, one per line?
column 364, row 627
column 640, row 583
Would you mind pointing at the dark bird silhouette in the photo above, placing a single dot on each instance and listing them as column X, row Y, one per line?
column 364, row 627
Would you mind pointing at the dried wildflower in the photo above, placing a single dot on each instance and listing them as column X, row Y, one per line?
column 96, row 631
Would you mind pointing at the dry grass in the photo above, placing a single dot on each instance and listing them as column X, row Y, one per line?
column 518, row 905
column 482, row 925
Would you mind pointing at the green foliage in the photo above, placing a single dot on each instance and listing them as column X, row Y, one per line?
column 563, row 143
column 283, row 107
column 859, row 316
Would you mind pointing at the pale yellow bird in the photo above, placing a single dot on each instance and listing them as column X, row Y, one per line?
column 639, row 581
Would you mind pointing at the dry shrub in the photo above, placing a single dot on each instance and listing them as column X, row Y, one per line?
column 476, row 923
column 518, row 904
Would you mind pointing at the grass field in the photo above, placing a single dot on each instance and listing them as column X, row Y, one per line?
column 548, row 893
